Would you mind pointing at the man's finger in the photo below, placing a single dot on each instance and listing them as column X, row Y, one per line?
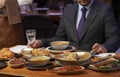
column 100, row 50
column 95, row 46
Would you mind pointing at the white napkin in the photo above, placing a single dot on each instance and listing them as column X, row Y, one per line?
column 18, row 48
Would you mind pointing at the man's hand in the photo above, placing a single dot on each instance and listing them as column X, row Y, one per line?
column 98, row 48
column 35, row 44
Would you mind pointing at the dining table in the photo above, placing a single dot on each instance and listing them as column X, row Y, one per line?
column 25, row 71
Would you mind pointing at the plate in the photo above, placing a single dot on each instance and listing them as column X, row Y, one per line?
column 3, row 64
column 52, row 50
column 32, row 67
column 74, row 71
column 4, row 59
column 82, row 58
column 60, row 64
column 102, row 70
column 105, row 55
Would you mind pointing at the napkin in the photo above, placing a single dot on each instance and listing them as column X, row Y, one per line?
column 18, row 48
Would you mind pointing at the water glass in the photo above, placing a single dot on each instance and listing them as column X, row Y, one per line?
column 31, row 35
column 61, row 5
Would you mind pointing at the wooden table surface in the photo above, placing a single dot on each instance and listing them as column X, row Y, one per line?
column 50, row 73
column 24, row 71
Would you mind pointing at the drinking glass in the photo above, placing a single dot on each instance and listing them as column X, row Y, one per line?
column 61, row 5
column 34, row 7
column 31, row 35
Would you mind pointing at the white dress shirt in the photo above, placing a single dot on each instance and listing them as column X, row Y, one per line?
column 80, row 12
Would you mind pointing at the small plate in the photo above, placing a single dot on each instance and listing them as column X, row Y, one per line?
column 77, row 71
column 3, row 64
column 52, row 50
column 105, row 55
column 103, row 70
column 32, row 67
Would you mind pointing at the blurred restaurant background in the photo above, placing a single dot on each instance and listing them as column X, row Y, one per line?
column 44, row 15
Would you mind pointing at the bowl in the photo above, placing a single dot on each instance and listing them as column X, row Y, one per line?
column 84, row 58
column 60, row 44
column 16, row 62
column 26, row 52
column 39, row 60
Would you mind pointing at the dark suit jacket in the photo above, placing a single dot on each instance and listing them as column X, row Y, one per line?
column 100, row 28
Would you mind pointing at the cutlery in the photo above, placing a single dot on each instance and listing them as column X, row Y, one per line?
column 93, row 53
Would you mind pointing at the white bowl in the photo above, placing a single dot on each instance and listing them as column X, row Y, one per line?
column 84, row 59
column 60, row 44
column 26, row 52
column 39, row 60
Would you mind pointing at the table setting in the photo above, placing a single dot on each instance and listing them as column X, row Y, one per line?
column 60, row 58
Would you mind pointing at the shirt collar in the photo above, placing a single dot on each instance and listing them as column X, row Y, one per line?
column 88, row 6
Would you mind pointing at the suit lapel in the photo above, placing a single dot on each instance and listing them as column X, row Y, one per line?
column 91, row 17
column 74, row 18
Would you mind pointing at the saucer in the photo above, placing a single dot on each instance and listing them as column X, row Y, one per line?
column 103, row 70
column 61, row 64
column 52, row 50
column 2, row 64
column 32, row 67
column 65, row 71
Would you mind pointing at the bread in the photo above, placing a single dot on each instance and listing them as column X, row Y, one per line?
column 105, row 62
column 38, row 52
column 97, row 59
column 117, row 56
column 5, row 53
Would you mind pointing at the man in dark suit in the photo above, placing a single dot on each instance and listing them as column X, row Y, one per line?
column 99, row 32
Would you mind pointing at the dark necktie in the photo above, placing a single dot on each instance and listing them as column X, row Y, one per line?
column 82, row 21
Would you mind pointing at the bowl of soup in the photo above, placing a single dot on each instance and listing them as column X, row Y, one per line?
column 60, row 44
column 39, row 60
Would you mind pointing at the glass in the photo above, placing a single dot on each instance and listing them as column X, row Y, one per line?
column 31, row 35
column 34, row 7
column 24, row 9
column 61, row 5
